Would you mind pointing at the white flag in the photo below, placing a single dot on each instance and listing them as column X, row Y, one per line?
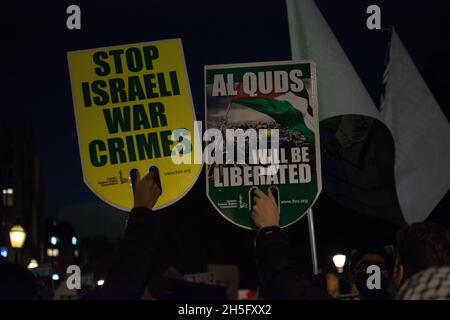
column 420, row 131
column 340, row 91
column 421, row 136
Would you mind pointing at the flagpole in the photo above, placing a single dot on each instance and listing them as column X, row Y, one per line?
column 312, row 242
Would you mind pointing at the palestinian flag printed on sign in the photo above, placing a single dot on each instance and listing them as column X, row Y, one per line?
column 287, row 109
column 262, row 99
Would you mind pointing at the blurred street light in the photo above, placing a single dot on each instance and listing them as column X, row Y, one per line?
column 4, row 252
column 339, row 262
column 53, row 240
column 33, row 264
column 17, row 236
column 52, row 252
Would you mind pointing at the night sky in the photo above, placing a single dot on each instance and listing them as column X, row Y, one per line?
column 35, row 78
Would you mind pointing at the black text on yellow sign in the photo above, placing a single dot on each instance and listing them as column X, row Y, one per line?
column 128, row 101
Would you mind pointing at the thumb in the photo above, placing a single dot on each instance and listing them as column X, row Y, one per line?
column 271, row 196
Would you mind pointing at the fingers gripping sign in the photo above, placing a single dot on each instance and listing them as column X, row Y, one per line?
column 265, row 211
column 146, row 190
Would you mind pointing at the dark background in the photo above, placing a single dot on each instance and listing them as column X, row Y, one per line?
column 35, row 84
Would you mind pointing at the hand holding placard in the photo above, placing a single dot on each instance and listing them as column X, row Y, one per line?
column 265, row 212
column 146, row 190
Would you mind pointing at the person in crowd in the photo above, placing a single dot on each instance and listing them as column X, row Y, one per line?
column 420, row 246
column 360, row 261
column 430, row 284
column 129, row 275
column 279, row 277
column 16, row 282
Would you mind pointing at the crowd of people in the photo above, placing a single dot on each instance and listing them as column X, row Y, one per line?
column 421, row 269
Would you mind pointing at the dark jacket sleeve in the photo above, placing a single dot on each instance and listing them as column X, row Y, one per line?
column 128, row 275
column 279, row 277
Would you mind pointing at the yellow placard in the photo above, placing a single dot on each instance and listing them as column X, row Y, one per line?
column 128, row 100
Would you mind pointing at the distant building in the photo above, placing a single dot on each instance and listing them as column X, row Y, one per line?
column 21, row 187
column 62, row 247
